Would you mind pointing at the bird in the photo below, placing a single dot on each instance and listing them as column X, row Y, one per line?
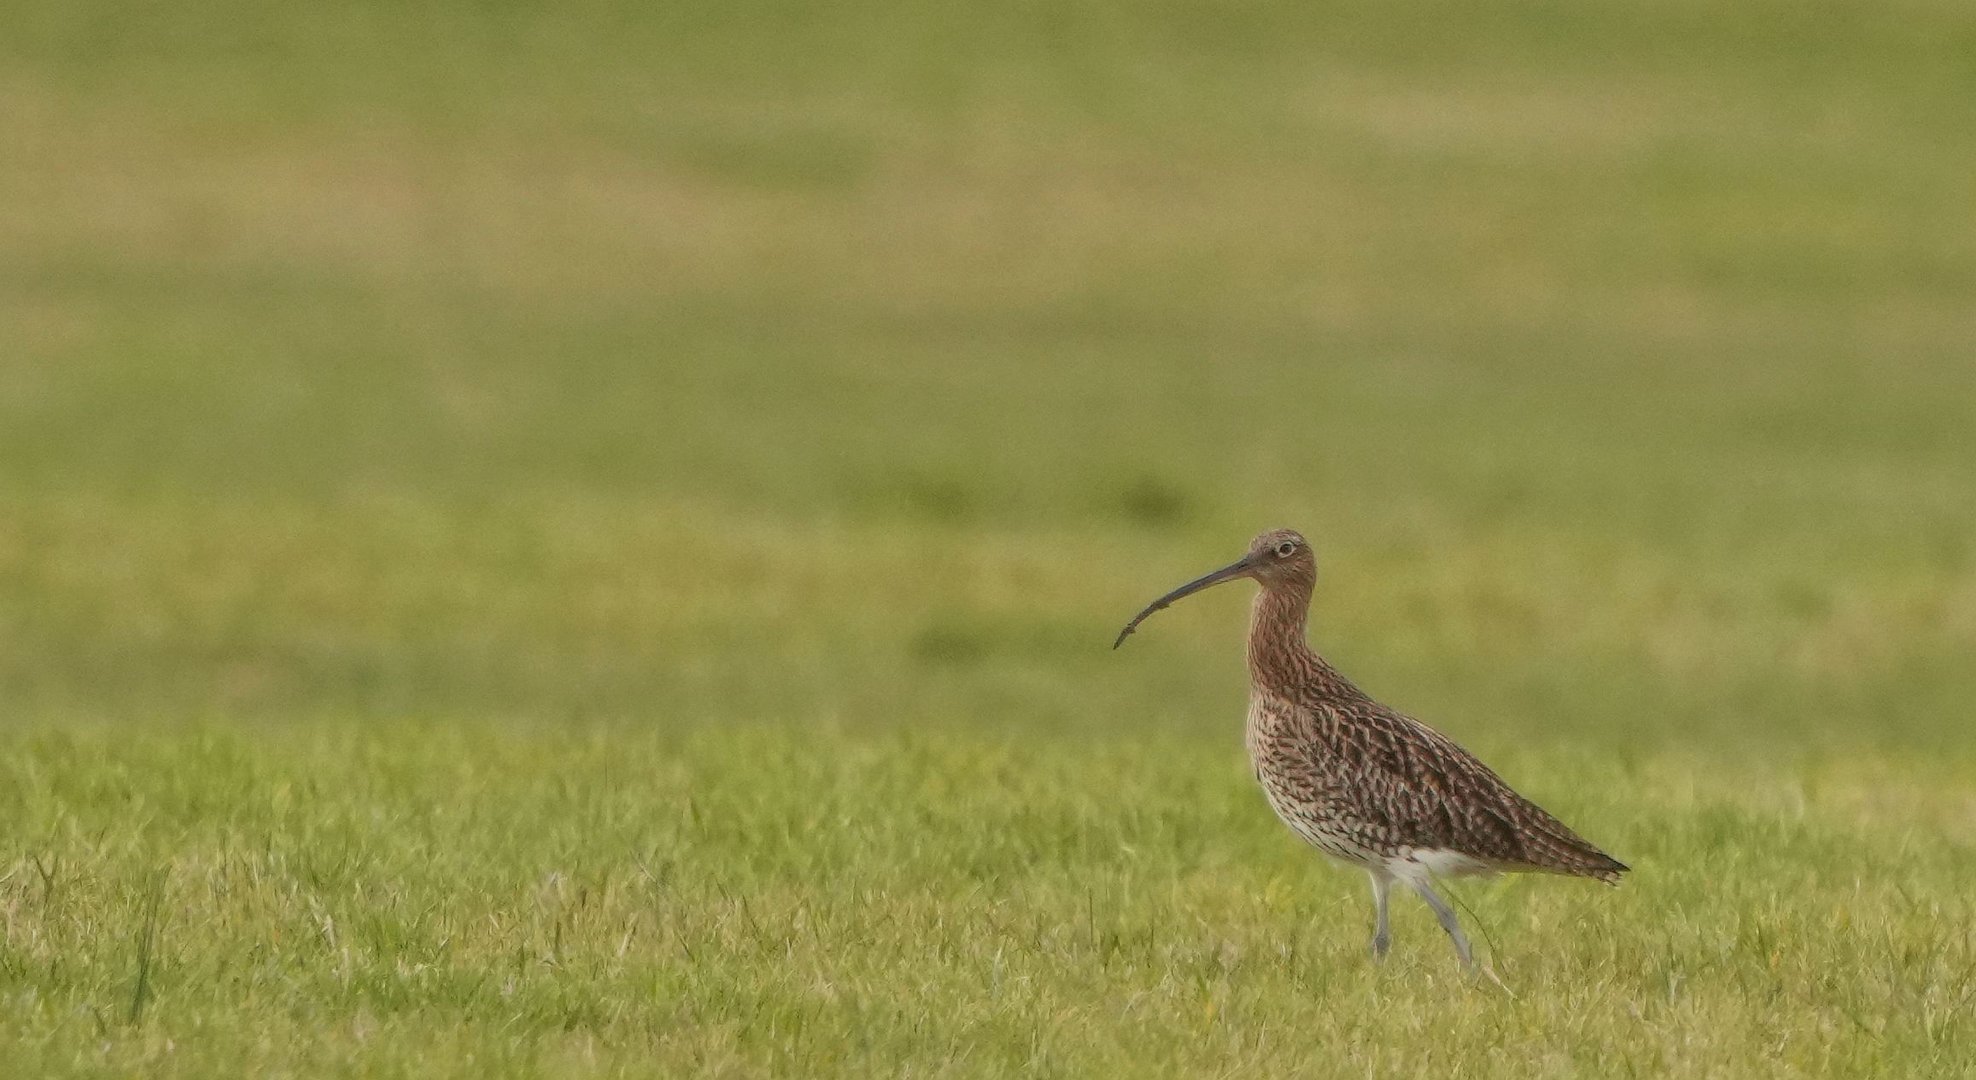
column 1367, row 785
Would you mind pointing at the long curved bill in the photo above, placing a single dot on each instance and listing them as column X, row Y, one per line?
column 1236, row 569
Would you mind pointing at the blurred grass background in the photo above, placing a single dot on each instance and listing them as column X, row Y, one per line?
column 583, row 539
column 872, row 362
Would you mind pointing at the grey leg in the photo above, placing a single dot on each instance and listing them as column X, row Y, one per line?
column 1382, row 935
column 1448, row 922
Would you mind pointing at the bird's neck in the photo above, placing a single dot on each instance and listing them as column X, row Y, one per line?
column 1278, row 652
column 1280, row 660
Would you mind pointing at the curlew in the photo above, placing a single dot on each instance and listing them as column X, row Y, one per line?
column 1367, row 785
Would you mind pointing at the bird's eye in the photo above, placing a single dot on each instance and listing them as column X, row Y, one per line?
column 1286, row 549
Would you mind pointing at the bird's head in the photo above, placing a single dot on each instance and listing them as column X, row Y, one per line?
column 1277, row 559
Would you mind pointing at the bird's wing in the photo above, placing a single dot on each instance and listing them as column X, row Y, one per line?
column 1427, row 792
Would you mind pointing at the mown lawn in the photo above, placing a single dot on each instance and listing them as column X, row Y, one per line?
column 583, row 539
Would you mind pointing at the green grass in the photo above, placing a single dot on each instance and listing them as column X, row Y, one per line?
column 437, row 901
column 583, row 539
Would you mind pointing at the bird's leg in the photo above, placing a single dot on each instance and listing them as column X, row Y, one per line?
column 1446, row 914
column 1382, row 935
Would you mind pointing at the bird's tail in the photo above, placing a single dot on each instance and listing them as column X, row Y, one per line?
column 1558, row 850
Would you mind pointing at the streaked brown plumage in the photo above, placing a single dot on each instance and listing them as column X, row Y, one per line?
column 1365, row 784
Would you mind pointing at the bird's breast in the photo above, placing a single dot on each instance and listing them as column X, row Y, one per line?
column 1273, row 725
column 1289, row 768
column 1279, row 738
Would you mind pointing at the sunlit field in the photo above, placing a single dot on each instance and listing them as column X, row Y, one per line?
column 584, row 540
